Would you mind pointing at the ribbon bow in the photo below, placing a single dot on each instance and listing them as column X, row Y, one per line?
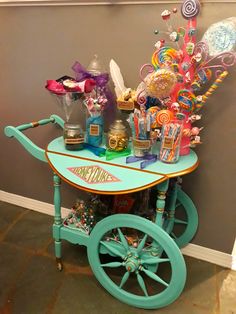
column 82, row 74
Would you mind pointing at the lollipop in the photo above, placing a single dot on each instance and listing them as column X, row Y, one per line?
column 153, row 113
column 190, row 9
column 160, row 83
column 221, row 37
column 212, row 89
column 203, row 76
column 164, row 55
column 186, row 100
column 164, row 116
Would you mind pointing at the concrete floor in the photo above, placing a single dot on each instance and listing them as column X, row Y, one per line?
column 31, row 284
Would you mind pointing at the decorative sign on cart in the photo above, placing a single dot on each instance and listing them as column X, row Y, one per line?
column 93, row 174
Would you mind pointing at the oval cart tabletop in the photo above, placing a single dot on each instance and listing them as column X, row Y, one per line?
column 88, row 172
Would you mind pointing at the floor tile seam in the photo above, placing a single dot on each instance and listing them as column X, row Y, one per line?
column 13, row 223
column 46, row 246
column 195, row 305
column 69, row 267
column 12, row 290
column 18, row 247
column 54, row 297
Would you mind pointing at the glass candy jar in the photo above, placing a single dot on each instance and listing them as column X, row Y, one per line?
column 73, row 136
column 117, row 137
column 171, row 134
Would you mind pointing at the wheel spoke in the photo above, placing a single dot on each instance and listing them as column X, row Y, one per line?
column 142, row 284
column 155, row 260
column 173, row 235
column 177, row 205
column 124, row 279
column 141, row 244
column 122, row 239
column 180, row 221
column 112, row 264
column 155, row 277
column 112, row 249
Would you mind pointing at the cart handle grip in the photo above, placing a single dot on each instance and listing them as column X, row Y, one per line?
column 33, row 149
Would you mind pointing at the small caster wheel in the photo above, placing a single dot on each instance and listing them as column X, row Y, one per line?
column 59, row 264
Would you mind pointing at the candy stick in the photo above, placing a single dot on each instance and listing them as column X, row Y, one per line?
column 213, row 87
column 131, row 123
column 136, row 126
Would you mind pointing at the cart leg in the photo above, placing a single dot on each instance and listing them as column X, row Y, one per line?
column 57, row 220
column 171, row 208
column 160, row 207
column 160, row 203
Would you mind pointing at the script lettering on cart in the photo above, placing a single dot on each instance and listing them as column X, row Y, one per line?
column 93, row 174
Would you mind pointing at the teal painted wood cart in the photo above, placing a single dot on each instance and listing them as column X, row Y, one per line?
column 149, row 273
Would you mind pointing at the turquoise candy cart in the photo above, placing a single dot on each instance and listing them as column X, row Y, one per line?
column 149, row 272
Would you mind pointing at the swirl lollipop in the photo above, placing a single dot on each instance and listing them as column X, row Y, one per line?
column 190, row 9
column 160, row 83
column 164, row 116
column 164, row 55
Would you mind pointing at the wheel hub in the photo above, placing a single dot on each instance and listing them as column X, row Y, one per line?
column 132, row 262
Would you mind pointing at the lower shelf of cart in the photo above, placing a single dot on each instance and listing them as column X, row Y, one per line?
column 74, row 236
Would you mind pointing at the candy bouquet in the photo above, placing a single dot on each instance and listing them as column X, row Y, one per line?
column 169, row 97
column 95, row 102
column 88, row 90
column 68, row 92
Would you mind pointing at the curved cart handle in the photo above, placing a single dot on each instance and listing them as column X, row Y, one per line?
column 32, row 148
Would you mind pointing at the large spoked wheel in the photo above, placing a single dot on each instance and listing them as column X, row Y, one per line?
column 185, row 220
column 133, row 245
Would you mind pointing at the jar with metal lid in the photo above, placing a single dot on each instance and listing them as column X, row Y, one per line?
column 73, row 136
column 117, row 137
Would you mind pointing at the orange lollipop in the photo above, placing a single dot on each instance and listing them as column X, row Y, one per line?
column 164, row 116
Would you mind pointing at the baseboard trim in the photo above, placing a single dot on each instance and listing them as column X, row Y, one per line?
column 30, row 203
column 208, row 255
column 193, row 250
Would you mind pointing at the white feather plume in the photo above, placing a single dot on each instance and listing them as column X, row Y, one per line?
column 117, row 78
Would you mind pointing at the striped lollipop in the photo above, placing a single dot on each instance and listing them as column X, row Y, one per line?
column 212, row 89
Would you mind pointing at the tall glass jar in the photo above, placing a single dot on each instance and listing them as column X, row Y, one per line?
column 73, row 136
column 94, row 130
column 171, row 134
column 117, row 137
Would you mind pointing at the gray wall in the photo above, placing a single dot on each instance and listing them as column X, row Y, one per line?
column 39, row 43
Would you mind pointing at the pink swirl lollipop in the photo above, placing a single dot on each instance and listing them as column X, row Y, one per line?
column 190, row 9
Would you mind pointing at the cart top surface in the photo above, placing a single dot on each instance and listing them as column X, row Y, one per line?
column 89, row 172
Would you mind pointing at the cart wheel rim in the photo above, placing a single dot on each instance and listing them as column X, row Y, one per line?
column 137, row 261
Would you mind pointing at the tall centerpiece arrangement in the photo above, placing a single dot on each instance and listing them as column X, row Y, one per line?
column 169, row 98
